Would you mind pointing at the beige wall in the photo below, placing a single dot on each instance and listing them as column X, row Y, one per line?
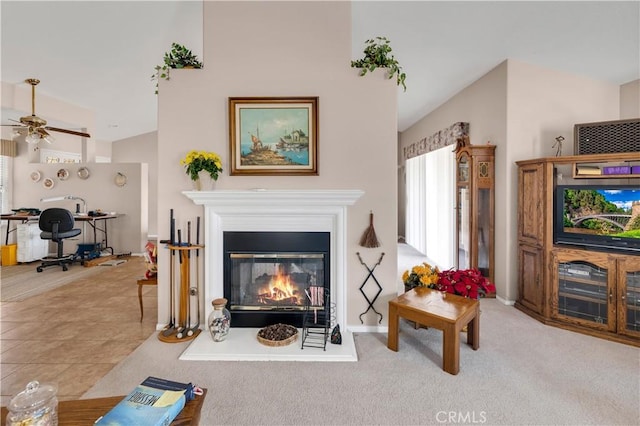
column 142, row 149
column 287, row 49
column 127, row 233
column 483, row 105
column 542, row 104
column 521, row 109
column 630, row 100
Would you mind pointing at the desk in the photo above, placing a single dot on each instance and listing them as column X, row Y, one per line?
column 91, row 220
column 13, row 217
column 443, row 311
column 83, row 412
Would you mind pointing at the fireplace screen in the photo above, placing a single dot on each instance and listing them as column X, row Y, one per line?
column 275, row 281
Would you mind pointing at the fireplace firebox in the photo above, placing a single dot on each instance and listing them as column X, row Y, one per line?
column 273, row 277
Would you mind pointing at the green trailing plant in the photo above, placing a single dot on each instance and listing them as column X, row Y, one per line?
column 377, row 54
column 178, row 57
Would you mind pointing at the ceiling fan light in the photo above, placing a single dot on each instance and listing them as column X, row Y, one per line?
column 32, row 137
column 48, row 138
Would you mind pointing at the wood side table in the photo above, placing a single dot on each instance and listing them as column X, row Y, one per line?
column 83, row 412
column 444, row 311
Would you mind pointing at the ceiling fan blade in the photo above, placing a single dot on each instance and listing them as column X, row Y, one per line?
column 70, row 132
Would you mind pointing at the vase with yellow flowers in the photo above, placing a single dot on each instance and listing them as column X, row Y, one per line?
column 199, row 163
column 423, row 275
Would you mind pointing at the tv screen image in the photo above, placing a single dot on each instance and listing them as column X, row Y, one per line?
column 599, row 216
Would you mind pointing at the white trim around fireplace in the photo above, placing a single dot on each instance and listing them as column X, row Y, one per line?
column 276, row 211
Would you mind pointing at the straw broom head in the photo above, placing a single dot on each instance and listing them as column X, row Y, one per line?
column 369, row 238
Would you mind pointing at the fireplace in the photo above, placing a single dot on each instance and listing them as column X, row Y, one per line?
column 272, row 277
column 268, row 210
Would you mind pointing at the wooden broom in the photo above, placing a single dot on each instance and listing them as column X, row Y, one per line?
column 369, row 238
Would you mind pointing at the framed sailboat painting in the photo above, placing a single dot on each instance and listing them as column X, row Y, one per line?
column 273, row 136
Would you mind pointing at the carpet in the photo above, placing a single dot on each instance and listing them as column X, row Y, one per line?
column 523, row 373
column 19, row 282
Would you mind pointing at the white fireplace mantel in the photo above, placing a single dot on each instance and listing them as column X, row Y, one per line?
column 270, row 210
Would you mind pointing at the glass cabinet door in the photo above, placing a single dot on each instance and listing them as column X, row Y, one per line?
column 583, row 291
column 475, row 208
column 464, row 234
column 484, row 230
column 463, row 206
column 629, row 296
column 632, row 302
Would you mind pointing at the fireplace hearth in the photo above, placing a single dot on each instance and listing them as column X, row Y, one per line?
column 272, row 277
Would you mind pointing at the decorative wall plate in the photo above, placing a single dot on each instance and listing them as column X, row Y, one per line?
column 35, row 176
column 63, row 174
column 48, row 183
column 120, row 180
column 83, row 173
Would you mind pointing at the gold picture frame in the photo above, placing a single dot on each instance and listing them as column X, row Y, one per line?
column 273, row 136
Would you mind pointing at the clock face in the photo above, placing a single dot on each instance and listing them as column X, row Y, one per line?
column 463, row 169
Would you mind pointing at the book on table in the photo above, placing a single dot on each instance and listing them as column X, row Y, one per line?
column 153, row 402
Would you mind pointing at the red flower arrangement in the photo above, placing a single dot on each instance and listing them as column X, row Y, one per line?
column 465, row 282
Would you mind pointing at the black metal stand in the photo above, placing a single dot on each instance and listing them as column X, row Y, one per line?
column 371, row 302
column 316, row 321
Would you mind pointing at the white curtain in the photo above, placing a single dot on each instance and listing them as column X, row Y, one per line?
column 430, row 198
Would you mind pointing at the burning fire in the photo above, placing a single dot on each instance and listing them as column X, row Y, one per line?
column 281, row 289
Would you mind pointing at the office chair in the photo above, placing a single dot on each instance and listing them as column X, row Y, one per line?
column 56, row 225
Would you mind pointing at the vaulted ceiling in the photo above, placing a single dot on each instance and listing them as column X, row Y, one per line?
column 100, row 54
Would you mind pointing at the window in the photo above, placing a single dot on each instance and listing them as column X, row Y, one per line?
column 6, row 173
column 430, row 214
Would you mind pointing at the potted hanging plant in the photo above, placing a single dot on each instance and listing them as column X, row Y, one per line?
column 377, row 54
column 178, row 57
column 202, row 161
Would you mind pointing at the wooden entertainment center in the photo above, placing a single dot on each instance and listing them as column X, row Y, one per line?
column 574, row 287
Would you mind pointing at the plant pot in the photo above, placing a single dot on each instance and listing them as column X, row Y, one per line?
column 204, row 182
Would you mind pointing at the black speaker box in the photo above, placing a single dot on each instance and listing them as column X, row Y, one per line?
column 607, row 137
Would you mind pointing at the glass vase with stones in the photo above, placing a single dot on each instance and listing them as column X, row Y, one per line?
column 219, row 320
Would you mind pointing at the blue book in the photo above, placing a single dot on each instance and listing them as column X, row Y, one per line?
column 154, row 402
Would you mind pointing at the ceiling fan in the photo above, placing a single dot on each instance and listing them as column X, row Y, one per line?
column 35, row 126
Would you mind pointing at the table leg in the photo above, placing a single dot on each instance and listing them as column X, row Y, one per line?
column 392, row 334
column 140, row 299
column 473, row 331
column 450, row 349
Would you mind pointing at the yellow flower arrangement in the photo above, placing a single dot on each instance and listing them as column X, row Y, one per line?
column 423, row 275
column 197, row 161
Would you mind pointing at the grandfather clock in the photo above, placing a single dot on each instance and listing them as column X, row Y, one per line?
column 475, row 200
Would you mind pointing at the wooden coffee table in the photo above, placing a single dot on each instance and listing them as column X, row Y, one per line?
column 443, row 311
column 83, row 412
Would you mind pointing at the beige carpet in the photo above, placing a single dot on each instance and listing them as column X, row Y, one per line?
column 524, row 373
column 18, row 282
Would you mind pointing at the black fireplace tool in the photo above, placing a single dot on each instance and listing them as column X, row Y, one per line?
column 371, row 275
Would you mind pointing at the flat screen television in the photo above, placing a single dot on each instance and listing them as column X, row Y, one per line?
column 600, row 217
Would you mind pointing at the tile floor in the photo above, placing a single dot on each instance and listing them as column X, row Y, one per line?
column 75, row 334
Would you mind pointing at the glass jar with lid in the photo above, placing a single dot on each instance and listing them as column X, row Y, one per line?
column 37, row 405
column 219, row 320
